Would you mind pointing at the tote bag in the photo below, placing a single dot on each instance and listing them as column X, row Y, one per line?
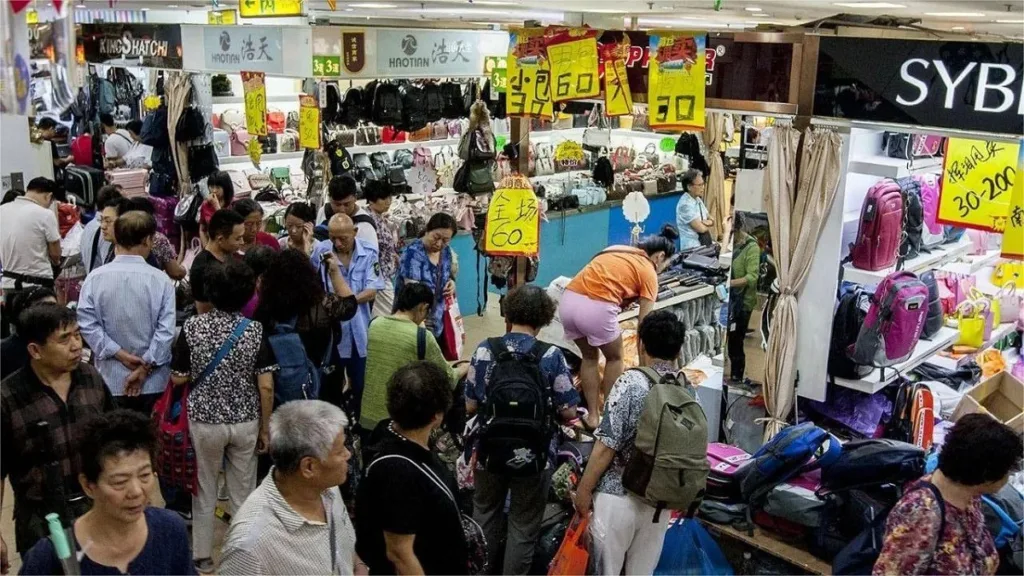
column 971, row 326
column 454, row 330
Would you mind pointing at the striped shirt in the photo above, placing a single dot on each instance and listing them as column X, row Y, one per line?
column 128, row 305
column 267, row 536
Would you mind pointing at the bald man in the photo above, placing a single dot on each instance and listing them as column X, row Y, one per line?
column 357, row 260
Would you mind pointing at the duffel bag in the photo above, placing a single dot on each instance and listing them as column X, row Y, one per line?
column 874, row 462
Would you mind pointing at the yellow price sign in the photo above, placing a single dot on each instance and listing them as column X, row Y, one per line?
column 269, row 8
column 513, row 223
column 618, row 100
column 32, row 17
column 255, row 149
column 222, row 17
column 255, row 89
column 574, row 65
column 1013, row 235
column 977, row 179
column 529, row 75
column 676, row 84
column 309, row 122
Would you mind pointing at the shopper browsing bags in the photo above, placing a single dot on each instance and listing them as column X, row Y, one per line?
column 430, row 260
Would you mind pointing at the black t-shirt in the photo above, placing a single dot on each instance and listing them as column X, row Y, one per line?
column 197, row 274
column 408, row 491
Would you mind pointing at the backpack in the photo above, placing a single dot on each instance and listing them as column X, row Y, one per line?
column 603, row 173
column 793, row 451
column 330, row 112
column 365, row 102
column 873, row 462
column 1004, row 517
column 860, row 555
column 913, row 218
column 451, row 96
column 433, row 101
column 933, row 320
column 932, row 234
column 881, row 227
column 669, row 465
column 911, row 146
column 893, row 324
column 518, row 413
column 298, row 377
column 351, row 110
column 387, row 105
column 414, row 105
column 340, row 158
column 846, row 323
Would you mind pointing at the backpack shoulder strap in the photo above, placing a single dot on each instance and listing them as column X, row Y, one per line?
column 223, row 351
column 651, row 374
column 421, row 342
column 539, row 349
column 95, row 249
column 364, row 219
column 498, row 348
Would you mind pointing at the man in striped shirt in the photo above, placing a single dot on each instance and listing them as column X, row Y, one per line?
column 126, row 314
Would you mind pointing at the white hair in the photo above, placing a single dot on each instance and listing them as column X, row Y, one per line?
column 302, row 428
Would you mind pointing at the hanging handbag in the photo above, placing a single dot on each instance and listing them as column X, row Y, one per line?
column 202, row 161
column 1012, row 272
column 186, row 213
column 191, row 125
column 421, row 135
column 970, row 325
column 276, row 121
column 1009, row 303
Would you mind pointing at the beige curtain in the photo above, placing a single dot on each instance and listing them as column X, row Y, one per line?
column 797, row 208
column 714, row 192
column 177, row 89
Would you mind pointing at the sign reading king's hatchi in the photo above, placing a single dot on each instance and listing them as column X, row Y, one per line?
column 147, row 45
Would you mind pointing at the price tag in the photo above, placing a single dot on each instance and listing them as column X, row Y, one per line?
column 569, row 155
column 309, row 122
column 255, row 89
column 327, row 66
column 618, row 99
column 513, row 223
column 255, row 149
column 977, row 179
column 574, row 67
column 269, row 8
column 496, row 68
column 675, row 92
column 1013, row 236
column 529, row 75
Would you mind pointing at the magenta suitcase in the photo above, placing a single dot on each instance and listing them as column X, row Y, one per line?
column 881, row 228
column 724, row 461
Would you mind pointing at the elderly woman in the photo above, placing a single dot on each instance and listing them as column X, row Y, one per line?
column 938, row 526
column 295, row 522
column 254, row 235
column 429, row 260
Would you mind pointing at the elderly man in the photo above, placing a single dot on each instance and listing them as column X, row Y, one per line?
column 357, row 259
column 295, row 522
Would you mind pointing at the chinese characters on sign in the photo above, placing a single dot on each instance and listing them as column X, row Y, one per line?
column 354, row 50
column 326, row 66
column 496, row 69
column 529, row 75
column 1013, row 237
column 513, row 223
column 407, row 52
column 574, row 65
column 977, row 180
column 221, row 17
column 309, row 122
column 618, row 98
column 675, row 92
column 235, row 48
column 255, row 89
column 269, row 8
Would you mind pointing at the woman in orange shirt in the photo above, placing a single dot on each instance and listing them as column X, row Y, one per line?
column 589, row 309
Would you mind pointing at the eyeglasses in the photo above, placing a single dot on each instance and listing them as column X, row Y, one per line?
column 696, row 185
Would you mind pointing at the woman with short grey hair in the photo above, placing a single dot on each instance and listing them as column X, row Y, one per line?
column 295, row 522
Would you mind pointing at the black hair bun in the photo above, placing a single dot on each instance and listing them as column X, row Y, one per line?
column 669, row 232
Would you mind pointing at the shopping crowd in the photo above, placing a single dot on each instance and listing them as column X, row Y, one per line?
column 304, row 358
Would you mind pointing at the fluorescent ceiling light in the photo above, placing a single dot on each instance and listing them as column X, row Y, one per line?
column 956, row 28
column 752, row 9
column 1020, row 21
column 491, row 3
column 689, row 22
column 488, row 12
column 869, row 5
column 605, row 10
column 373, row 5
column 956, row 14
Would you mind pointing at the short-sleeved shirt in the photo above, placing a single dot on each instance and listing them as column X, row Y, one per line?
column 267, row 536
column 618, row 275
column 26, row 230
column 229, row 395
column 407, row 490
column 268, row 240
column 620, row 420
column 688, row 209
column 362, row 273
column 387, row 245
column 166, row 551
column 416, row 266
column 93, row 236
column 118, row 144
column 197, row 274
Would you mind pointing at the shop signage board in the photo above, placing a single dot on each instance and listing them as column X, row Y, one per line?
column 222, row 17
column 675, row 92
column 971, row 86
column 1013, row 235
column 269, row 8
column 326, row 66
column 416, row 52
column 146, row 45
column 977, row 179
column 513, row 223
column 618, row 97
column 250, row 48
column 496, row 69
column 575, row 73
column 529, row 75
column 326, row 52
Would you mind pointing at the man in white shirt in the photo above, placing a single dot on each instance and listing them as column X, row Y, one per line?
column 29, row 237
column 117, row 144
column 342, row 192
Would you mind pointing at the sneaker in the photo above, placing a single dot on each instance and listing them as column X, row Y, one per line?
column 205, row 565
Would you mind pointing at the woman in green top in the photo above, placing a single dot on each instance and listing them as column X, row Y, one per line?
column 396, row 340
column 746, row 263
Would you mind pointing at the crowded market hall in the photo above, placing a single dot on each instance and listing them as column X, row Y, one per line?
column 473, row 287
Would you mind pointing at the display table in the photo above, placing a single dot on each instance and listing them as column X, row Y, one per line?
column 767, row 542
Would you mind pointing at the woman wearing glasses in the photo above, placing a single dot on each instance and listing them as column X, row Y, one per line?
column 692, row 218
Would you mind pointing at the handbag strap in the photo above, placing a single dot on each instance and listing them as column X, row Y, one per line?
column 223, row 351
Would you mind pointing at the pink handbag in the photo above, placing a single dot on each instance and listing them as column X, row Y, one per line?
column 979, row 242
column 1009, row 303
column 239, row 142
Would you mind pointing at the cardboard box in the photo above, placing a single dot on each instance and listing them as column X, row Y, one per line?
column 1001, row 396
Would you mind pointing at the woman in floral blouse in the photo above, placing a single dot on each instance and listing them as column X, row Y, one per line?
column 431, row 261
column 976, row 459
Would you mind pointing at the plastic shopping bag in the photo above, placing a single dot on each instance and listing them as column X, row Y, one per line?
column 572, row 556
column 689, row 549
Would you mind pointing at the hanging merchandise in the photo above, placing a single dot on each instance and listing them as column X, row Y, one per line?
column 529, row 75
column 618, row 98
column 513, row 220
column 572, row 56
column 977, row 179
column 309, row 122
column 675, row 94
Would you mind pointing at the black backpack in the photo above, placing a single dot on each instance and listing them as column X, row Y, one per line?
column 603, row 173
column 518, row 413
column 845, row 328
column 913, row 218
column 351, row 111
column 387, row 105
column 367, row 99
column 433, row 100
column 451, row 94
column 933, row 321
column 330, row 112
column 414, row 105
column 340, row 158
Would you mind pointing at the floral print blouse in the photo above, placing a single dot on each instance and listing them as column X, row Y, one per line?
column 913, row 546
column 387, row 246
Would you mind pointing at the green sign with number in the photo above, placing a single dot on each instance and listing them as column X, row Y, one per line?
column 496, row 69
column 326, row 66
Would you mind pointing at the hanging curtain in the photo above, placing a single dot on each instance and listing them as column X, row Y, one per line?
column 177, row 92
column 797, row 210
column 714, row 190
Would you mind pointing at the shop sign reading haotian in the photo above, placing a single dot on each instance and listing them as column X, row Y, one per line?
column 147, row 45
column 234, row 48
column 435, row 52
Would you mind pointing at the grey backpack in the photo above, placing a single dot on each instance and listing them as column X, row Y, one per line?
column 669, row 466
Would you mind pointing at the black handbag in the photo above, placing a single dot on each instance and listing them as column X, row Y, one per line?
column 191, row 125
column 202, row 161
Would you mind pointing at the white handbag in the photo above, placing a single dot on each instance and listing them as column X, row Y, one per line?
column 1009, row 303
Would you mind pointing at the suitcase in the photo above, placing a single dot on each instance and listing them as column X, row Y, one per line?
column 84, row 182
column 725, row 461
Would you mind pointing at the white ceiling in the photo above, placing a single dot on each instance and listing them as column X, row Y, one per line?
column 1003, row 17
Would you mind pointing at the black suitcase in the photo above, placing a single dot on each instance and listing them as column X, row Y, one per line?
column 84, row 182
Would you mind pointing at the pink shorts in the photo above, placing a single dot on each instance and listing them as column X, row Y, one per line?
column 596, row 320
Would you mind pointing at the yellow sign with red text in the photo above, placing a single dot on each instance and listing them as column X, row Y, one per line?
column 255, row 88
column 574, row 64
column 676, row 83
column 309, row 122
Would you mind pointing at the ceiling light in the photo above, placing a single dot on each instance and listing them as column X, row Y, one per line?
column 144, row 9
column 1020, row 21
column 172, row 5
column 957, row 28
column 956, row 14
column 869, row 5
column 79, row 6
column 491, row 3
column 752, row 9
column 373, row 5
column 689, row 22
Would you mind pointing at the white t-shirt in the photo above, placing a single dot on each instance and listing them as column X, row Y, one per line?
column 364, row 230
column 26, row 229
column 118, row 144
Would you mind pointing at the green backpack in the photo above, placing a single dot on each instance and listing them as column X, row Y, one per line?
column 669, row 466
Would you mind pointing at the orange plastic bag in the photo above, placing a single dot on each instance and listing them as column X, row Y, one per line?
column 572, row 556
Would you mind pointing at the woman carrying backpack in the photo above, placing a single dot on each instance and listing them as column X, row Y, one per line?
column 478, row 151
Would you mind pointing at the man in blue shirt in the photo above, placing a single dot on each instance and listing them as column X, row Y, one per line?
column 94, row 246
column 126, row 314
column 358, row 262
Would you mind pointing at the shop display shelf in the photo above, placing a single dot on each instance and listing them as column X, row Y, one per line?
column 698, row 292
column 265, row 158
column 924, row 350
column 403, row 145
column 558, row 175
column 271, row 99
column 926, row 261
column 970, row 264
column 577, row 133
column 886, row 167
column 998, row 333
